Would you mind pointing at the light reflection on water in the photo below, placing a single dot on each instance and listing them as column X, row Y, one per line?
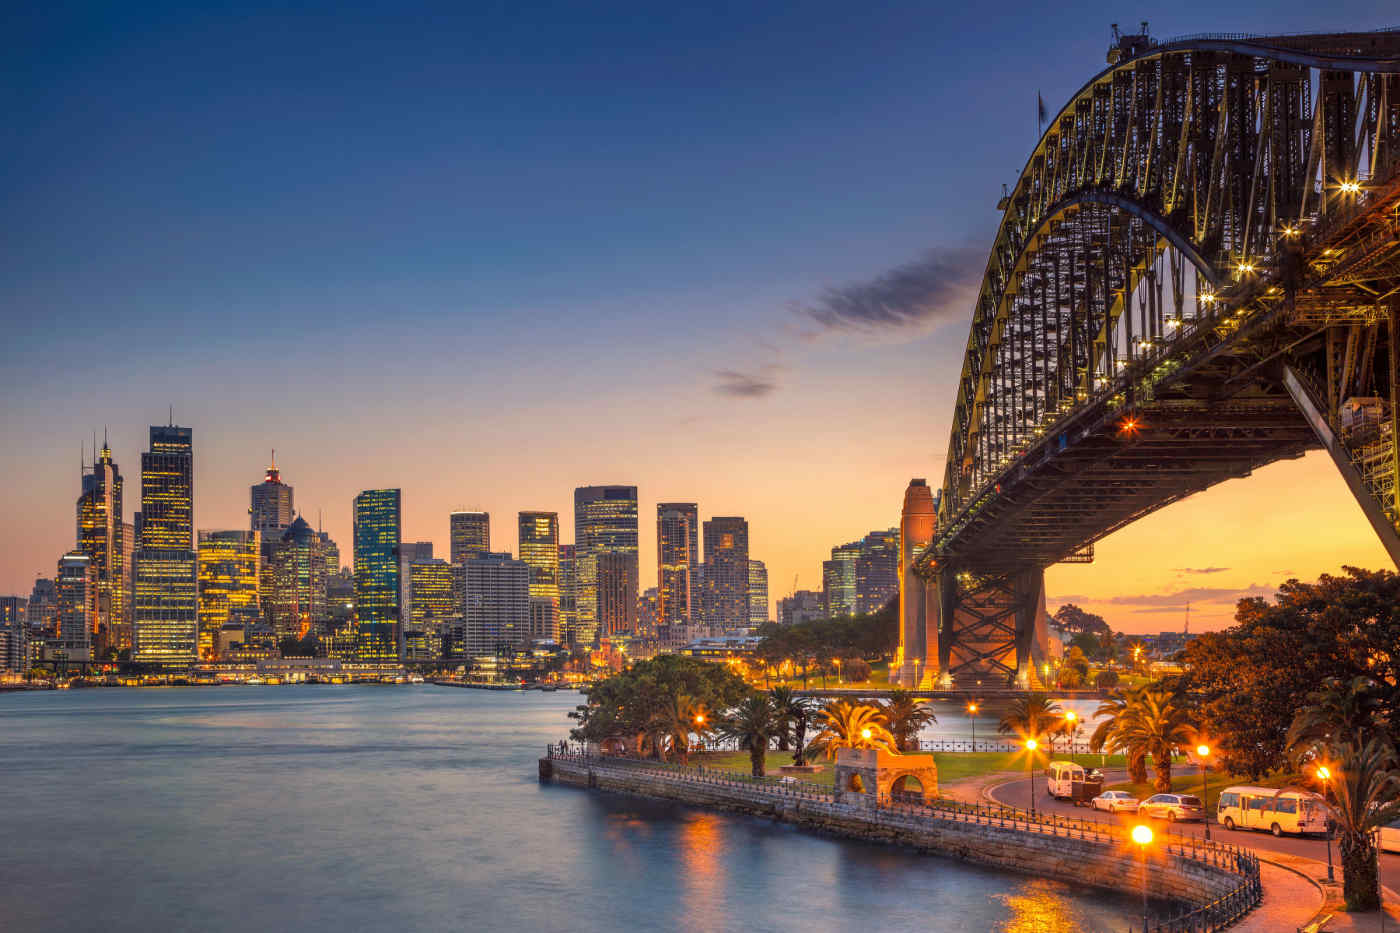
column 417, row 808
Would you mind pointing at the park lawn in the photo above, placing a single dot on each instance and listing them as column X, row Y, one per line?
column 739, row 761
column 1187, row 780
column 879, row 680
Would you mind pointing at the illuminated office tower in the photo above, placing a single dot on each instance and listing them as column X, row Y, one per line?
column 435, row 608
column 605, row 523
column 758, row 593
column 539, row 549
column 727, row 572
column 296, row 582
column 270, row 505
column 124, row 627
column 378, row 530
column 14, row 634
column 469, row 535
column 409, row 553
column 43, row 607
column 647, row 605
column 677, row 553
column 230, row 584
column 568, row 594
column 99, row 511
column 494, row 590
column 331, row 551
column 839, row 580
column 165, row 600
column 877, row 571
column 77, row 605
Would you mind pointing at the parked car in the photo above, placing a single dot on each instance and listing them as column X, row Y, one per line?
column 1390, row 837
column 1173, row 807
column 1278, row 811
column 1067, row 780
column 1115, row 801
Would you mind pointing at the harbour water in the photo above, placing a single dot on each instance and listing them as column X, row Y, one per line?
column 321, row 808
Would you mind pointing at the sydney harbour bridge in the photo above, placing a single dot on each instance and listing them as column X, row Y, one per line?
column 1196, row 274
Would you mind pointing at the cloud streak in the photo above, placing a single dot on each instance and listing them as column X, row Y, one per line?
column 934, row 288
column 1200, row 569
column 739, row 384
column 1196, row 594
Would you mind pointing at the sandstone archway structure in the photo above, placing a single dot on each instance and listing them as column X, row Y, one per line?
column 868, row 775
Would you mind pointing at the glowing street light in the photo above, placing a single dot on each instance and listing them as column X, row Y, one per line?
column 1324, row 774
column 972, row 718
column 1202, row 753
column 865, row 734
column 1142, row 836
column 1031, row 746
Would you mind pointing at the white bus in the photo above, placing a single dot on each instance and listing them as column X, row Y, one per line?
column 1271, row 809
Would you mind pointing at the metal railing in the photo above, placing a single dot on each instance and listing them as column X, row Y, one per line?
column 912, row 812
column 1061, row 747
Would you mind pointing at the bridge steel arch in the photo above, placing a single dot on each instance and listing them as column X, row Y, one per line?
column 1197, row 273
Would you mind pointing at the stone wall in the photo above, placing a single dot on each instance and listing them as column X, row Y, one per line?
column 1048, row 852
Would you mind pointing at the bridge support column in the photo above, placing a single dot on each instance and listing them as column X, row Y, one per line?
column 916, row 660
column 992, row 628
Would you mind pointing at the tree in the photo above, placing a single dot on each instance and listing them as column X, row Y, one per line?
column 1070, row 618
column 625, row 705
column 1252, row 677
column 1032, row 717
column 905, row 715
column 1344, row 726
column 845, row 725
column 753, row 723
column 1074, row 669
column 676, row 718
column 793, row 713
column 1106, row 680
column 1112, row 715
column 855, row 670
column 1157, row 723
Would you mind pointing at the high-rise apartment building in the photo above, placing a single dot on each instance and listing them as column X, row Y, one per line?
column 270, row 511
column 568, row 594
column 839, row 580
column 539, row 549
column 77, row 606
column 99, row 513
column 605, row 523
column 230, row 584
column 758, row 593
column 378, row 524
column 727, row 572
column 495, row 604
column 877, row 570
column 296, row 582
column 469, row 535
column 165, row 602
column 677, row 553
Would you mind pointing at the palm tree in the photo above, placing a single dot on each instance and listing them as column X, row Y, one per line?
column 845, row 725
column 1156, row 723
column 906, row 716
column 753, row 723
column 794, row 712
column 1343, row 728
column 1032, row 717
column 678, row 716
column 1113, row 713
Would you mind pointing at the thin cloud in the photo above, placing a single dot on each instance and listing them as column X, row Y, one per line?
column 1198, row 594
column 1200, row 569
column 739, row 384
column 934, row 288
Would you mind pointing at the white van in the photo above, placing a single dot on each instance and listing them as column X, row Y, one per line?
column 1272, row 809
column 1066, row 780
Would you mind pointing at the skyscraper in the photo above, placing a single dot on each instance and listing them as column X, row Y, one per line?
column 469, row 535
column 839, row 580
column 727, row 572
column 230, row 583
column 410, row 552
column 877, row 570
column 605, row 523
column 677, row 553
column 270, row 505
column 378, row 531
column 539, row 549
column 296, row 582
column 165, row 600
column 77, row 605
column 758, row 593
column 495, row 599
column 100, row 537
column 14, row 634
column 568, row 594
column 435, row 608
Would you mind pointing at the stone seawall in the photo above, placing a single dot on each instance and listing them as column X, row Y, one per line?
column 1005, row 844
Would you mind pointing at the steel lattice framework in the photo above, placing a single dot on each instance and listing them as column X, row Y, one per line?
column 1197, row 273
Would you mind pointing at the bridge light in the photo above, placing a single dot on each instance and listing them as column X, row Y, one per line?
column 1208, row 298
column 1290, row 232
column 1173, row 323
column 1128, row 425
column 1244, row 268
column 1351, row 186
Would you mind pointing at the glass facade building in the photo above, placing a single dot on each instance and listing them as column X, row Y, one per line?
column 726, row 572
column 270, row 505
column 877, row 571
column 758, row 593
column 296, row 584
column 230, row 584
column 605, row 524
column 568, row 594
column 469, row 535
column 839, row 580
column 677, row 553
column 99, row 514
column 77, row 605
column 435, row 608
column 165, row 592
column 378, row 523
column 539, row 549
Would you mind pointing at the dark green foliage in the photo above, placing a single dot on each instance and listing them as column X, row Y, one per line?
column 626, row 704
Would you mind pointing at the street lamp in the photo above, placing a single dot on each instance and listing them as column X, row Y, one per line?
column 1142, row 835
column 1324, row 774
column 972, row 718
column 1031, row 746
column 1203, row 752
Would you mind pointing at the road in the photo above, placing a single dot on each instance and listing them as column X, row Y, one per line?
column 1015, row 794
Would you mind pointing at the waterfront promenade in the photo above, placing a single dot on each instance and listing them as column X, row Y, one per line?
column 1211, row 885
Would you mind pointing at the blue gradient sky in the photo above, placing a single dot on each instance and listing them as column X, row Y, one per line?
column 489, row 253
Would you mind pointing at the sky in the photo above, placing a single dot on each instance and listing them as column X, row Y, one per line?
column 490, row 252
